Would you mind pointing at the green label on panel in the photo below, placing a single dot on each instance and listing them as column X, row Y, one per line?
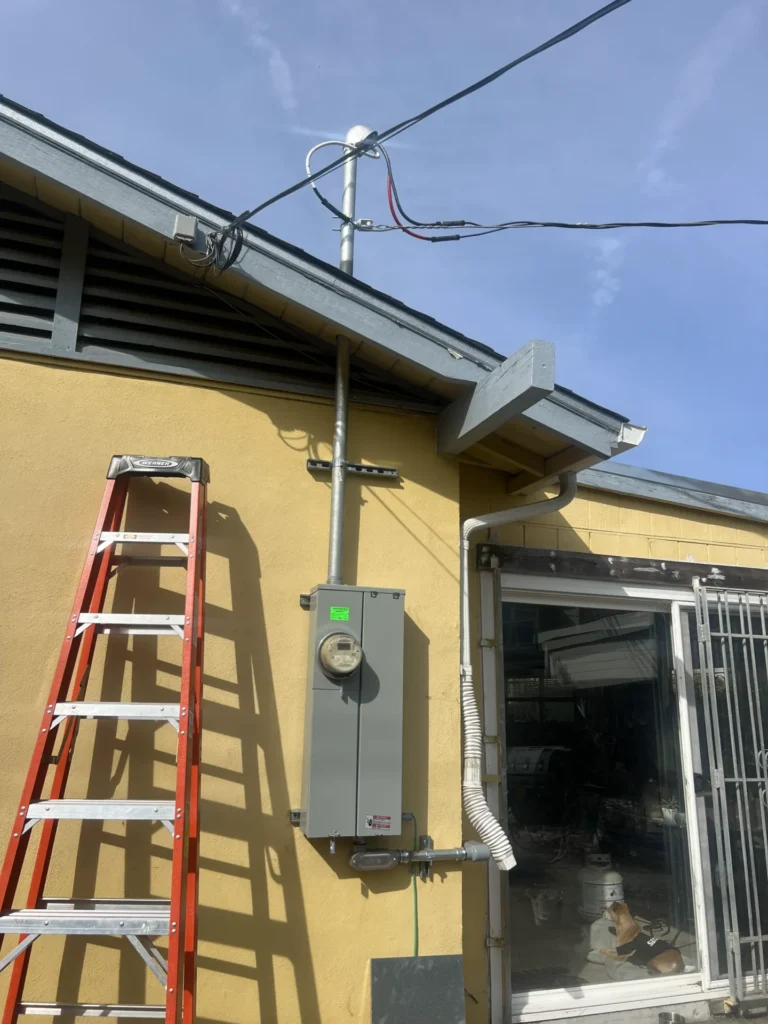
column 339, row 614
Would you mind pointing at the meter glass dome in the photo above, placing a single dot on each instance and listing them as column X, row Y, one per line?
column 340, row 654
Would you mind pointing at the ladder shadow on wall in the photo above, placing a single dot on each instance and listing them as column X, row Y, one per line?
column 252, row 911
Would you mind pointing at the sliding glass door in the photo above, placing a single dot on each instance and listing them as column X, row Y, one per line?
column 595, row 800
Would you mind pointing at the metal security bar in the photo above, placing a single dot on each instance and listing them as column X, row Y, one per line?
column 732, row 629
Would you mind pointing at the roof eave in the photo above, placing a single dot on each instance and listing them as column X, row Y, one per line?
column 589, row 433
column 677, row 490
column 323, row 291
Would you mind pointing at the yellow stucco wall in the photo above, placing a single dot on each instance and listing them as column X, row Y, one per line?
column 617, row 524
column 286, row 930
column 607, row 524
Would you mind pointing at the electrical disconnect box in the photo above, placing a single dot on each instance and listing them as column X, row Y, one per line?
column 353, row 728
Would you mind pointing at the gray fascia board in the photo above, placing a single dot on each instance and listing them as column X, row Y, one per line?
column 145, row 203
column 683, row 491
column 577, row 423
column 523, row 379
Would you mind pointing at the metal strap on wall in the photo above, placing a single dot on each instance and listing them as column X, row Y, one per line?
column 732, row 629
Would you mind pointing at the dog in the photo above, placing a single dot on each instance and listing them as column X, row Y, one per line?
column 632, row 944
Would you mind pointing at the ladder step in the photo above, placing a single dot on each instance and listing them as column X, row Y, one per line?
column 150, row 561
column 116, row 622
column 92, row 1009
column 194, row 469
column 90, row 917
column 103, row 810
column 115, row 709
column 127, row 537
column 108, row 537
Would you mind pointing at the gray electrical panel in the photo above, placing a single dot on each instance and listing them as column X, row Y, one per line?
column 353, row 726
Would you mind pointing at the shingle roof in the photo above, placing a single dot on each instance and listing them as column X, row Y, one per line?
column 677, row 490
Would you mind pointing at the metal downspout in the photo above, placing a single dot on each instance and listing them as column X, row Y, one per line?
column 475, row 805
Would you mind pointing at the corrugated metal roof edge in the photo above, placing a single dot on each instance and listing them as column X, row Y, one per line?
column 677, row 490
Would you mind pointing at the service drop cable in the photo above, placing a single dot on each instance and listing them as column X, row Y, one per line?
column 492, row 229
column 393, row 200
column 217, row 240
column 311, row 178
column 478, row 230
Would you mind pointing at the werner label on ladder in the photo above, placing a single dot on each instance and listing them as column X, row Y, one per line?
column 138, row 920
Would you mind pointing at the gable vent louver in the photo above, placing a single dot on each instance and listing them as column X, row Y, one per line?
column 30, row 255
column 141, row 314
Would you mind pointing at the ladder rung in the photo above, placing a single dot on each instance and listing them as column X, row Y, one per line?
column 92, row 1009
column 126, row 537
column 108, row 537
column 103, row 810
column 90, row 917
column 148, row 561
column 116, row 622
column 115, row 709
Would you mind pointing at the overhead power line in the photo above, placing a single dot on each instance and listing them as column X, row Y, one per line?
column 488, row 229
column 561, row 37
column 224, row 246
column 478, row 230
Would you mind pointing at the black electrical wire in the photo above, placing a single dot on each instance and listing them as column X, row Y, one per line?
column 310, row 178
column 223, row 261
column 404, row 215
column 393, row 200
column 567, row 33
column 489, row 229
column 222, row 250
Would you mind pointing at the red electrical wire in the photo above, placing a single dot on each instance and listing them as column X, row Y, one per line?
column 390, row 200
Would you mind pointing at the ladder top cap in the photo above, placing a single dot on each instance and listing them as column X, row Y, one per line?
column 193, row 469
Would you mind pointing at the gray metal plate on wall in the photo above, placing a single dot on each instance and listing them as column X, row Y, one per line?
column 417, row 990
column 352, row 776
column 380, row 726
column 329, row 778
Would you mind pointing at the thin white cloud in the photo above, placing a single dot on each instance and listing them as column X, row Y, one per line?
column 326, row 135
column 609, row 256
column 321, row 134
column 694, row 87
column 257, row 37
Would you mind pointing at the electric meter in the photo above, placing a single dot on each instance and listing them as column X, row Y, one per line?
column 352, row 782
column 340, row 654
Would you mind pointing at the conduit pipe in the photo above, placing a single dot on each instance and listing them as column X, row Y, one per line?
column 339, row 463
column 381, row 860
column 475, row 805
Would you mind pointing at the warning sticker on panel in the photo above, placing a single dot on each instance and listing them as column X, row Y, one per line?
column 339, row 614
column 379, row 821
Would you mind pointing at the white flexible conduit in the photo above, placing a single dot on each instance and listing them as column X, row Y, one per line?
column 478, row 812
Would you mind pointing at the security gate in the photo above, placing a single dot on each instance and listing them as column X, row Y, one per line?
column 732, row 633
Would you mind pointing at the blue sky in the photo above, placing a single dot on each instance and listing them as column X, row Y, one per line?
column 657, row 112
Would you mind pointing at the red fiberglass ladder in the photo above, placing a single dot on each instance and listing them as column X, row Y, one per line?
column 142, row 920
